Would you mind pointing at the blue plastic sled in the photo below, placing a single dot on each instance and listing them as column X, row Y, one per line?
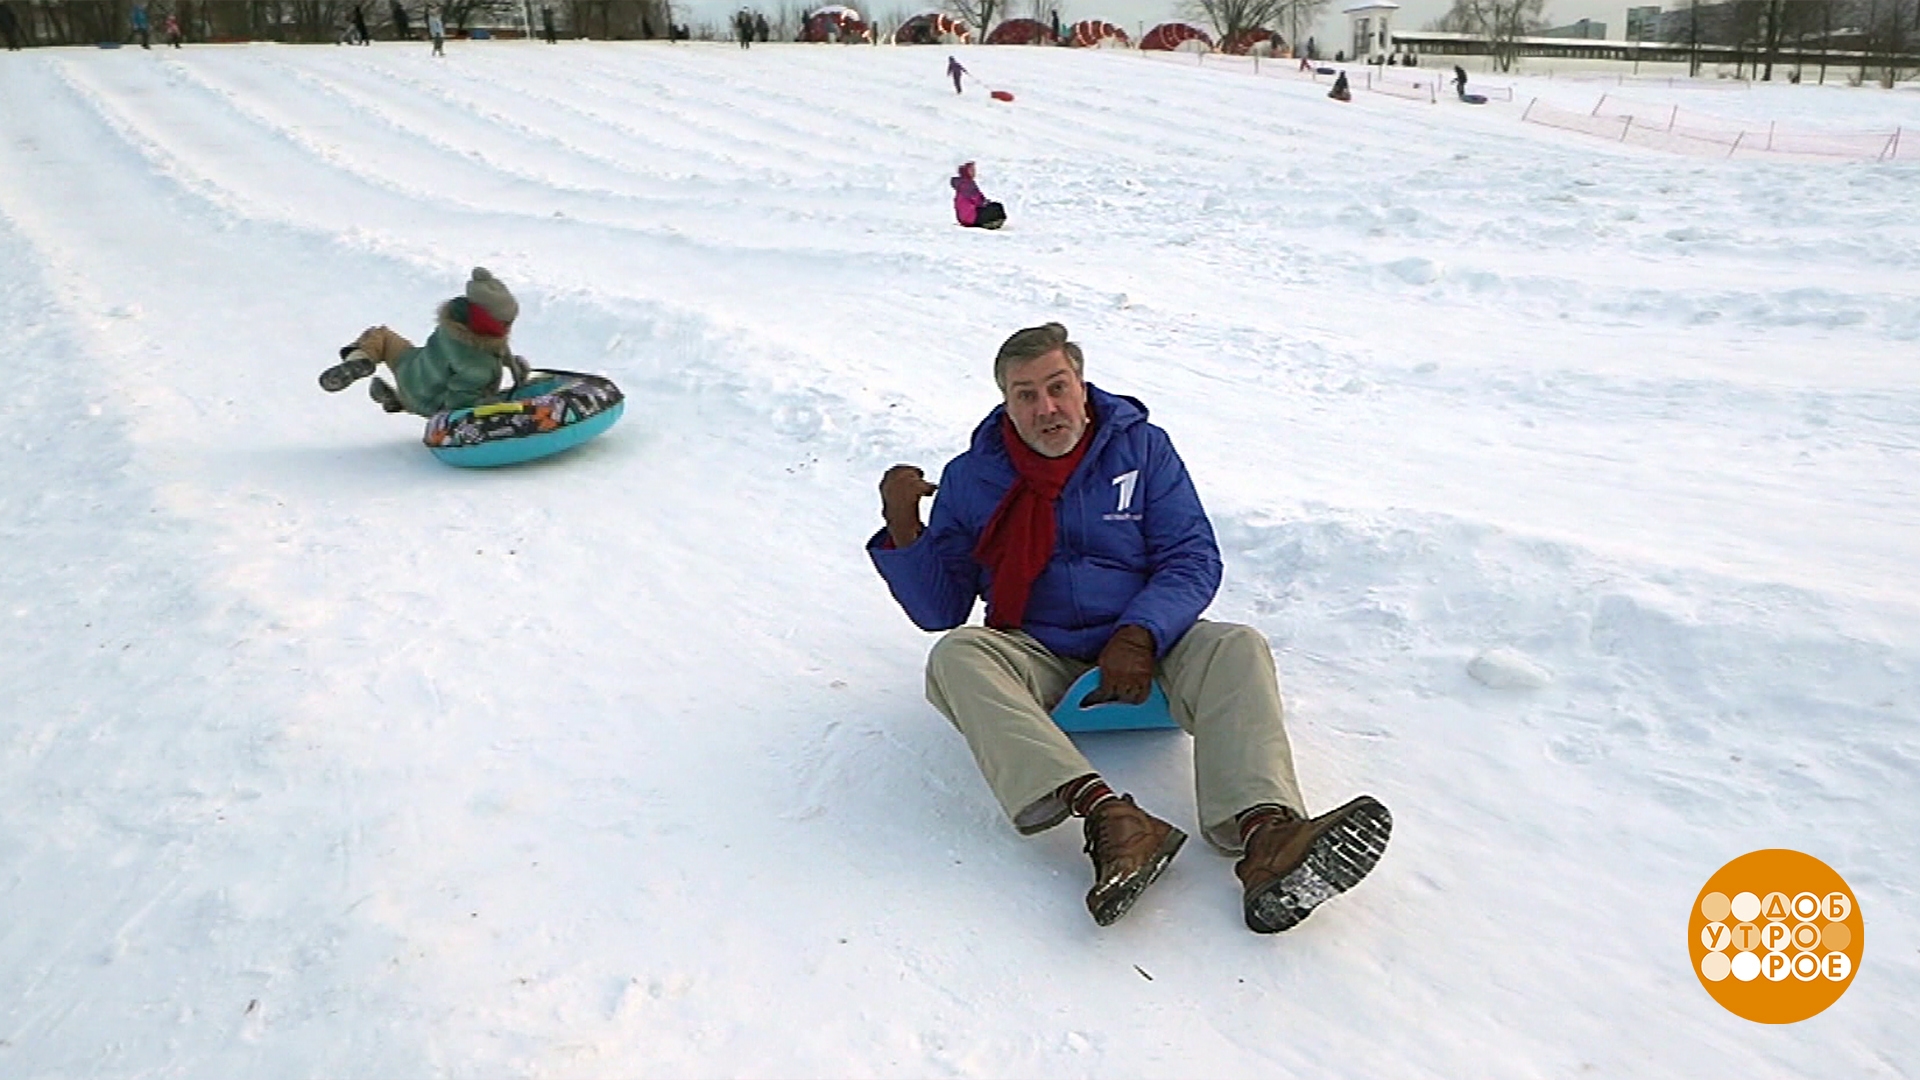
column 1074, row 718
column 554, row 411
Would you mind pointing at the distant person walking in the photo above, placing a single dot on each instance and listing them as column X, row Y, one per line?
column 172, row 30
column 760, row 29
column 401, row 28
column 546, row 25
column 9, row 27
column 1460, row 81
column 437, row 31
column 743, row 28
column 360, row 26
column 954, row 70
column 142, row 28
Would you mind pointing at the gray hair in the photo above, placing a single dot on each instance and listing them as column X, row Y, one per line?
column 1031, row 344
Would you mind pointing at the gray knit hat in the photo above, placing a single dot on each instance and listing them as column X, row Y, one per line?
column 487, row 291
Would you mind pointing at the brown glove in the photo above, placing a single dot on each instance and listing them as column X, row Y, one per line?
column 901, row 489
column 1126, row 667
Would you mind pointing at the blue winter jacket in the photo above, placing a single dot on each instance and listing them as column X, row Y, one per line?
column 1132, row 546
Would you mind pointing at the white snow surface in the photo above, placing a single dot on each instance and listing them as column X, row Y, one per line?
column 320, row 758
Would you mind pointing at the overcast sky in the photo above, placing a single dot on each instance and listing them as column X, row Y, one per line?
column 1131, row 14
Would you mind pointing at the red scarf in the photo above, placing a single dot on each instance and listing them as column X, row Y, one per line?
column 481, row 321
column 1018, row 540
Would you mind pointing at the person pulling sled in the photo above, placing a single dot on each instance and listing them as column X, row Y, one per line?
column 459, row 367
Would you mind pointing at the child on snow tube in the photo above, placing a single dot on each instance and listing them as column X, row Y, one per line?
column 972, row 208
column 458, row 368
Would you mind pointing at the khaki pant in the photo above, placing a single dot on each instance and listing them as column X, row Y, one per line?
column 997, row 688
column 383, row 345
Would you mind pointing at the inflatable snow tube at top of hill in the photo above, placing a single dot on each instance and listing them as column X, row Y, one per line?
column 553, row 411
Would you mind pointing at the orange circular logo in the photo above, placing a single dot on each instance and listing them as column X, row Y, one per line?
column 1775, row 936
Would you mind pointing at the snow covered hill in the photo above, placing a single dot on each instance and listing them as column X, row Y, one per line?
column 320, row 758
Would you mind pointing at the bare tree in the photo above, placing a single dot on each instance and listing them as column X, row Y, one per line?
column 310, row 20
column 978, row 14
column 886, row 22
column 1501, row 22
column 1772, row 46
column 1748, row 19
column 1229, row 17
column 1890, row 38
column 1456, row 21
column 84, row 21
column 466, row 13
column 1296, row 19
column 1798, row 18
column 787, row 21
column 616, row 20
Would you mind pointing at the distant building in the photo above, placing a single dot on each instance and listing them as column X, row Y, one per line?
column 1370, row 28
column 1585, row 29
column 1643, row 23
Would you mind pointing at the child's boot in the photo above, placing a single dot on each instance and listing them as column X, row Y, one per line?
column 354, row 365
column 387, row 396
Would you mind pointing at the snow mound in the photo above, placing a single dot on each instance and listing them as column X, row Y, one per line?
column 1415, row 271
column 1507, row 669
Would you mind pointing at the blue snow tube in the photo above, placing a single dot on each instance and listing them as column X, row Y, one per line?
column 1074, row 717
column 552, row 411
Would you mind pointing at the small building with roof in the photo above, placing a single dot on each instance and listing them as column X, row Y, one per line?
column 1370, row 29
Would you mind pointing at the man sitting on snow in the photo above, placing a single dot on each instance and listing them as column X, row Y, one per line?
column 1076, row 521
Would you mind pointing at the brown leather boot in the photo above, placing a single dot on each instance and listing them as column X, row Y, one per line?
column 1293, row 866
column 1129, row 847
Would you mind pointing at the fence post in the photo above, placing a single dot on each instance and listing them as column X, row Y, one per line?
column 1770, row 124
column 1893, row 148
column 1529, row 109
column 1597, row 104
column 1673, row 118
column 1736, row 143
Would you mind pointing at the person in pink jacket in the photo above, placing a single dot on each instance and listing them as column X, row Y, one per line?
column 973, row 209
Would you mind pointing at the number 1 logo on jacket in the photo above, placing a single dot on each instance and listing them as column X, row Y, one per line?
column 1126, row 482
